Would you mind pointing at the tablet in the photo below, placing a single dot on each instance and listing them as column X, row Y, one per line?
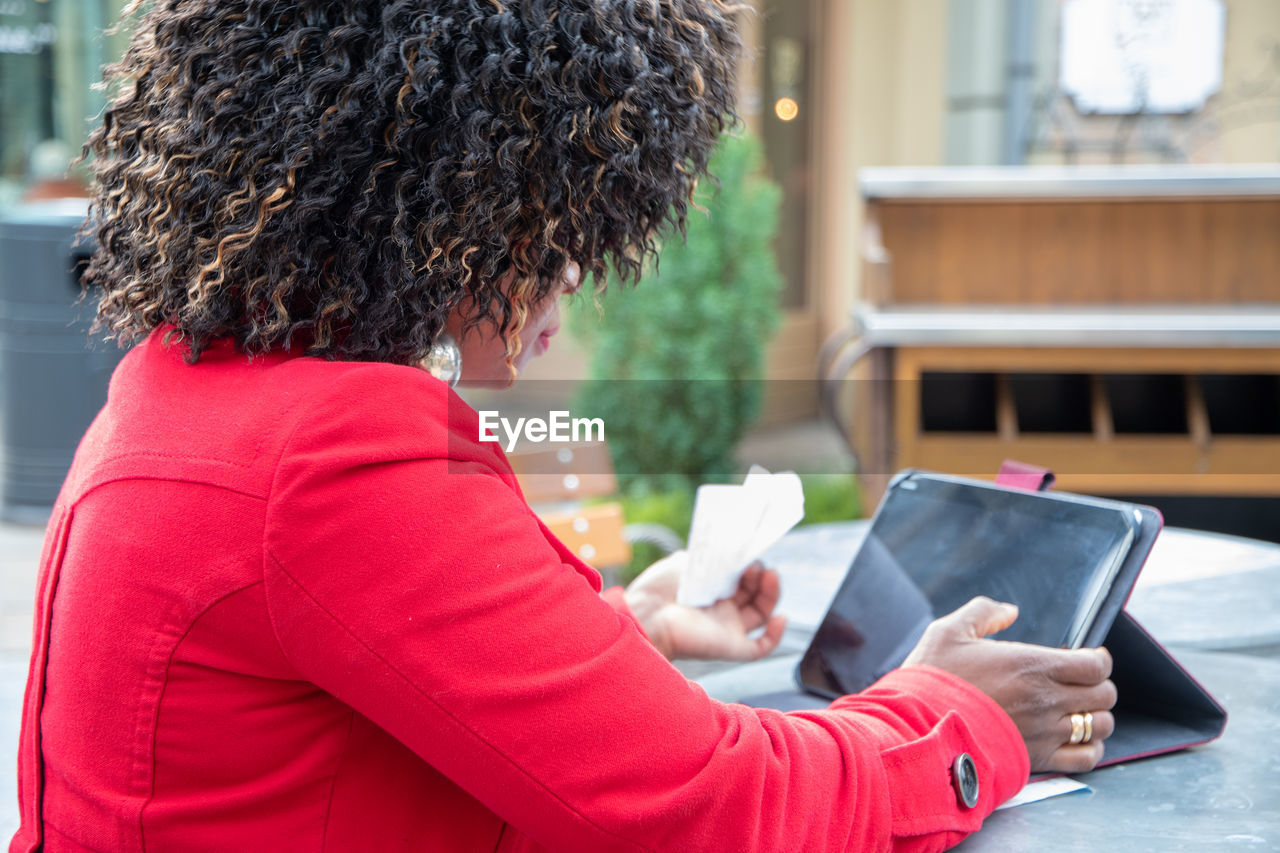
column 936, row 542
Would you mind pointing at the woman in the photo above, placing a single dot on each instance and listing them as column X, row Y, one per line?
column 288, row 600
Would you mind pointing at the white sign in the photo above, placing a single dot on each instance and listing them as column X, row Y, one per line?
column 732, row 525
column 1128, row 56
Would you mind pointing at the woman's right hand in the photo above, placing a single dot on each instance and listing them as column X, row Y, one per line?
column 1040, row 688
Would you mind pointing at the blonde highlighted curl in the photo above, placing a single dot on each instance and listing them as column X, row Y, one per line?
column 341, row 174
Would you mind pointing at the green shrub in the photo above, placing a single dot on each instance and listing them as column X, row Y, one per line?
column 672, row 508
column 831, row 497
column 677, row 362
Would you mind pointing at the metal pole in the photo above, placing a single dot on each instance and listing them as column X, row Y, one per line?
column 1020, row 78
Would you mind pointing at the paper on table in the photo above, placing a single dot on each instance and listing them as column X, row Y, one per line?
column 1043, row 790
column 732, row 525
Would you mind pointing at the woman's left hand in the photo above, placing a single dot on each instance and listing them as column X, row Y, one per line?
column 716, row 632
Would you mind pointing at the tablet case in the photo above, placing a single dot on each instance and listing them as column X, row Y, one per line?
column 1161, row 707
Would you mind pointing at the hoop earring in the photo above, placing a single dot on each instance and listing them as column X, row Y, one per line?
column 444, row 360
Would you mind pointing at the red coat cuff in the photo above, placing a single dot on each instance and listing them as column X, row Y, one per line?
column 971, row 722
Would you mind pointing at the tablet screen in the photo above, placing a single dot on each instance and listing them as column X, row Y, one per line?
column 936, row 542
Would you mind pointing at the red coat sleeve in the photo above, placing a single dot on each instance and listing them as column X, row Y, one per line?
column 616, row 597
column 407, row 576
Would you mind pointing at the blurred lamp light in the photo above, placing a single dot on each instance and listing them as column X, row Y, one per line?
column 786, row 109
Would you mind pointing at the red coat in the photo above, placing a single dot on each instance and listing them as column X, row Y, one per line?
column 294, row 605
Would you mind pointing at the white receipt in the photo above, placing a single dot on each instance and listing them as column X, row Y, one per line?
column 1043, row 790
column 733, row 525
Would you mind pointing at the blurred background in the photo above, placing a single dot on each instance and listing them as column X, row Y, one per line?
column 987, row 229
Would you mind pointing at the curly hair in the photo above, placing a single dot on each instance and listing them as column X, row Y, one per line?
column 342, row 174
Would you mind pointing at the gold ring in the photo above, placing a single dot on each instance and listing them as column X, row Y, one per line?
column 1088, row 728
column 1077, row 729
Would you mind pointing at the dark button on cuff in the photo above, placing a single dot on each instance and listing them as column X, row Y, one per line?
column 964, row 777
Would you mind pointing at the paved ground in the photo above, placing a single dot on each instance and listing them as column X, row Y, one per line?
column 19, row 558
column 809, row 447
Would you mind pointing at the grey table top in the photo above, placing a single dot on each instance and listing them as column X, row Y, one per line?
column 1224, row 795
